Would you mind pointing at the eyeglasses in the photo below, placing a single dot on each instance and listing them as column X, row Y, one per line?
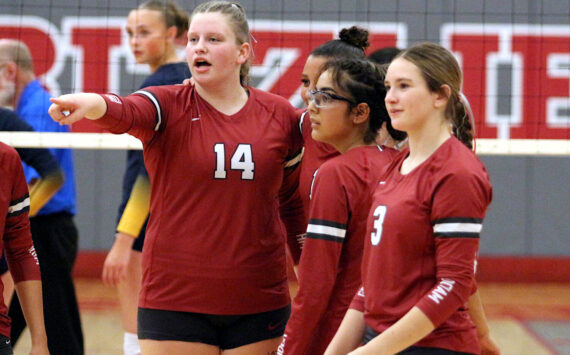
column 323, row 98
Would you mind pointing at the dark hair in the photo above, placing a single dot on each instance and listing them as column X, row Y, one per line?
column 439, row 67
column 351, row 43
column 238, row 22
column 173, row 14
column 384, row 55
column 363, row 80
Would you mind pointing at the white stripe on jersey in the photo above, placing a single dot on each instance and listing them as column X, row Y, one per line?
column 301, row 121
column 156, row 105
column 296, row 159
column 326, row 230
column 19, row 206
column 456, row 227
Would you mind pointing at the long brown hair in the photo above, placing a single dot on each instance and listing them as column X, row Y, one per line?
column 439, row 67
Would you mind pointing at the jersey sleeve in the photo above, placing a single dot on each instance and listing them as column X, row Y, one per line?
column 137, row 209
column 460, row 201
column 358, row 301
column 140, row 114
column 19, row 249
column 319, row 260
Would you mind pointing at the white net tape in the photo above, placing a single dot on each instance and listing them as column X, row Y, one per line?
column 124, row 141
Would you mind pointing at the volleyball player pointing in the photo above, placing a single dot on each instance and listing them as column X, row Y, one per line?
column 425, row 220
column 219, row 156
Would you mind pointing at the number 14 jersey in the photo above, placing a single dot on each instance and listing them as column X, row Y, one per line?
column 215, row 242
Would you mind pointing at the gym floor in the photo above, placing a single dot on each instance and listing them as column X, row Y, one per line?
column 525, row 319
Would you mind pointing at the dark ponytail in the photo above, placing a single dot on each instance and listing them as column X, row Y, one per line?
column 352, row 43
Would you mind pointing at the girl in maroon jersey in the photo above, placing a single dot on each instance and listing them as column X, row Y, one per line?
column 221, row 158
column 153, row 29
column 424, row 224
column 346, row 111
column 351, row 43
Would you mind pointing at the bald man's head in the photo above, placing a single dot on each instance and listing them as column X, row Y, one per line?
column 12, row 50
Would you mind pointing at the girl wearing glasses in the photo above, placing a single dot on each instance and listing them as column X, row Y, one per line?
column 351, row 44
column 221, row 158
column 346, row 110
column 153, row 29
column 423, row 227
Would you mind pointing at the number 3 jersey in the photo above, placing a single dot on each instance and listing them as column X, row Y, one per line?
column 215, row 241
column 422, row 242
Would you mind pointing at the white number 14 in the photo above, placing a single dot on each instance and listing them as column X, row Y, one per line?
column 242, row 159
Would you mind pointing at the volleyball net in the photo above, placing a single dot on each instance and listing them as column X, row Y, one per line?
column 98, row 141
column 515, row 57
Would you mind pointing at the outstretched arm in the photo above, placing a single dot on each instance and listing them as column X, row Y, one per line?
column 68, row 109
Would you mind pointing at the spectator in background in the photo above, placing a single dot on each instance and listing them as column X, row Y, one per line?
column 16, row 241
column 53, row 229
column 153, row 29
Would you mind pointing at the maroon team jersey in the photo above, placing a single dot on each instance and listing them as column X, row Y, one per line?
column 215, row 242
column 16, row 238
column 329, row 270
column 421, row 245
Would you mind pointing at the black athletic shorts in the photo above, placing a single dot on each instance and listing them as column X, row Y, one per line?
column 223, row 331
column 5, row 345
column 370, row 334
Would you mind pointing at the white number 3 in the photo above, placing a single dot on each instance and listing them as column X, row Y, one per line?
column 242, row 159
column 379, row 215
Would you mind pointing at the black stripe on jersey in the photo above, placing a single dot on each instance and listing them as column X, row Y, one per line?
column 326, row 223
column 19, row 206
column 291, row 162
column 457, row 220
column 457, row 227
column 154, row 100
column 326, row 230
column 328, row 237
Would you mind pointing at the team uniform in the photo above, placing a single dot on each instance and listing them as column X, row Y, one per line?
column 421, row 245
column 16, row 240
column 134, row 207
column 215, row 242
column 40, row 159
column 329, row 271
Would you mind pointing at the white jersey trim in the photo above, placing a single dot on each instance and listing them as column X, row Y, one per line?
column 458, row 228
column 18, row 207
column 326, row 230
column 156, row 105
